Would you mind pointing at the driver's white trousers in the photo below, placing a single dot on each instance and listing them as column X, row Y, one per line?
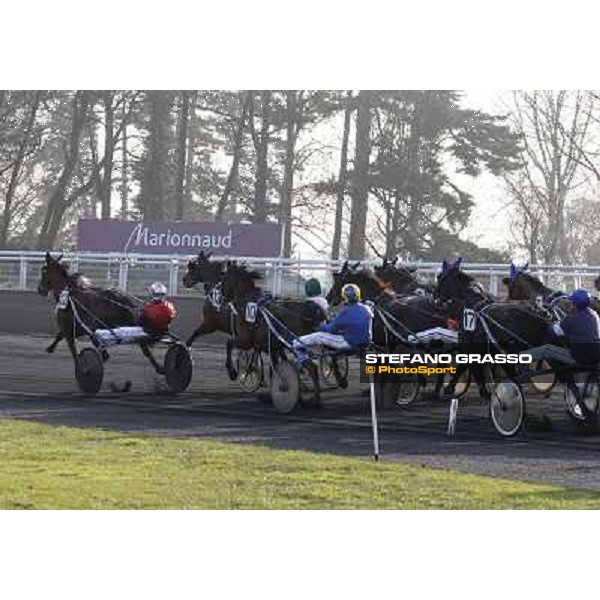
column 322, row 338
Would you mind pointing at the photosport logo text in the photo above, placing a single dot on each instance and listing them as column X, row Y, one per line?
column 397, row 365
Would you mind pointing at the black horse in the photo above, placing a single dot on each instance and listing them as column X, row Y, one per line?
column 522, row 285
column 217, row 315
column 252, row 331
column 515, row 326
column 81, row 308
column 411, row 313
column 401, row 278
column 397, row 317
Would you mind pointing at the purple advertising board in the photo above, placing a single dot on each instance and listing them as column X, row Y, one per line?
column 225, row 239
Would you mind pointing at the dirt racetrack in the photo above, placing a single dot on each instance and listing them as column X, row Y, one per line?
column 38, row 386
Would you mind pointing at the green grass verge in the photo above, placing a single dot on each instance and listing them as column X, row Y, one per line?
column 42, row 466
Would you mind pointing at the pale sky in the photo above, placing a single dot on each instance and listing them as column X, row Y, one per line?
column 489, row 223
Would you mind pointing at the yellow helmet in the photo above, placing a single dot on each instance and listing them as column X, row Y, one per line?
column 351, row 293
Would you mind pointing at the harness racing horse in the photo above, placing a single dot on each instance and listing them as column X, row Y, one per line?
column 402, row 279
column 522, row 285
column 487, row 326
column 396, row 319
column 260, row 320
column 217, row 315
column 82, row 308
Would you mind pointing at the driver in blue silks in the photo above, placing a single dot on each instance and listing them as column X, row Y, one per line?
column 351, row 328
column 581, row 331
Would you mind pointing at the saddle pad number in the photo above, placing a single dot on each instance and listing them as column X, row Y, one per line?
column 216, row 297
column 251, row 312
column 469, row 319
column 63, row 300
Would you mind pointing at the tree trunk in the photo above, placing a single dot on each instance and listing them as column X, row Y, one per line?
column 184, row 112
column 261, row 140
column 392, row 249
column 238, row 146
column 16, row 171
column 360, row 195
column 191, row 147
column 155, row 180
column 57, row 202
column 285, row 217
column 109, row 149
column 341, row 192
column 124, row 166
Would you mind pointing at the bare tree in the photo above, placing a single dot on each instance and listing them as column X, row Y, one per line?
column 182, row 141
column 360, row 188
column 261, row 137
column 59, row 199
column 17, row 167
column 341, row 184
column 555, row 130
column 245, row 98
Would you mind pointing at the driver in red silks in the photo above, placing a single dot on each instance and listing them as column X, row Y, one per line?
column 156, row 315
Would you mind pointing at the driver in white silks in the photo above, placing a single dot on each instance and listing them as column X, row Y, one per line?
column 350, row 329
column 580, row 329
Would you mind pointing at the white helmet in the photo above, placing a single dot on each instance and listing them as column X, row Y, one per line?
column 157, row 291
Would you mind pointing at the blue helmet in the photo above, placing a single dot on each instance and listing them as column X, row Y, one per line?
column 580, row 298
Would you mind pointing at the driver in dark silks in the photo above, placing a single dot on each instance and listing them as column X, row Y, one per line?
column 580, row 330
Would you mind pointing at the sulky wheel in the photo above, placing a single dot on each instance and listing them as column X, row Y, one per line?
column 178, row 367
column 89, row 371
column 542, row 384
column 334, row 369
column 250, row 370
column 582, row 398
column 326, row 368
column 285, row 387
column 507, row 407
column 308, row 374
column 409, row 388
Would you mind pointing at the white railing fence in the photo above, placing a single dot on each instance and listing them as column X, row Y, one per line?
column 20, row 271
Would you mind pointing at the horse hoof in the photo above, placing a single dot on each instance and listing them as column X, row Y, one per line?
column 231, row 372
column 120, row 390
column 105, row 355
column 50, row 349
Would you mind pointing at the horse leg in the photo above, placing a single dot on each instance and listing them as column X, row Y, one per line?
column 148, row 354
column 449, row 389
column 202, row 330
column 231, row 370
column 479, row 372
column 57, row 339
column 72, row 347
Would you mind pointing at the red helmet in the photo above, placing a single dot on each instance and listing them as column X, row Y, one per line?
column 157, row 316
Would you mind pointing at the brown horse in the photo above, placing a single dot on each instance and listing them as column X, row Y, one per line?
column 82, row 308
